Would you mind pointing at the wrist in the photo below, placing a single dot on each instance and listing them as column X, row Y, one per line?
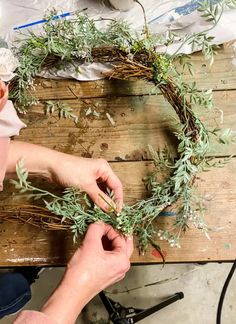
column 73, row 290
column 38, row 160
column 80, row 282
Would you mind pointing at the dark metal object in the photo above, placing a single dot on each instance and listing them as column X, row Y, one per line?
column 119, row 314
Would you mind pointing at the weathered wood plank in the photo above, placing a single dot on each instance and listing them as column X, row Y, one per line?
column 25, row 245
column 220, row 76
column 139, row 121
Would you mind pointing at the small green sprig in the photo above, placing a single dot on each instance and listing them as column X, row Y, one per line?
column 62, row 109
column 212, row 12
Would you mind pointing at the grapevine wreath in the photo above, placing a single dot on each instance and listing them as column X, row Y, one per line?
column 131, row 57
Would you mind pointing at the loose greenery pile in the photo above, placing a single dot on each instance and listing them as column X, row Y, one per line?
column 131, row 57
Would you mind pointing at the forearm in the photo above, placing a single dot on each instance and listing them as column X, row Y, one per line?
column 68, row 300
column 37, row 159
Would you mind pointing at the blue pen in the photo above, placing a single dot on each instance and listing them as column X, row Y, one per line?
column 66, row 14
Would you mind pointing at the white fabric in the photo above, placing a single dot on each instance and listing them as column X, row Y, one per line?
column 84, row 74
column 122, row 4
column 10, row 124
column 8, row 64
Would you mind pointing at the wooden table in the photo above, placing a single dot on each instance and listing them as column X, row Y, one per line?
column 141, row 118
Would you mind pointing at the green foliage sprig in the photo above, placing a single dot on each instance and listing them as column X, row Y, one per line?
column 62, row 109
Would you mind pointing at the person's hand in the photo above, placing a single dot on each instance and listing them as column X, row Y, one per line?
column 89, row 175
column 103, row 258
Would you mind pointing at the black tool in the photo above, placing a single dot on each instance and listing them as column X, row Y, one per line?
column 119, row 314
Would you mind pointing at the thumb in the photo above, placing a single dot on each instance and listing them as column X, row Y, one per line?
column 95, row 232
column 100, row 198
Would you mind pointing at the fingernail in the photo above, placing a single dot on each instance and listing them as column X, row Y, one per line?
column 107, row 208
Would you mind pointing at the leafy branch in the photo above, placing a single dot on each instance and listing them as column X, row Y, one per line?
column 211, row 12
column 63, row 110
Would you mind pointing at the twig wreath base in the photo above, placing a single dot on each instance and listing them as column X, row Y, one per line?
column 132, row 57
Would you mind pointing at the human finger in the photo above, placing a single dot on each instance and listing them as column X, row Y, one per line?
column 100, row 198
column 107, row 176
column 118, row 241
column 114, row 183
column 95, row 233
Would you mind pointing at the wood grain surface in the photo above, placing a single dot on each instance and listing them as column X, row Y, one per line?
column 141, row 117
